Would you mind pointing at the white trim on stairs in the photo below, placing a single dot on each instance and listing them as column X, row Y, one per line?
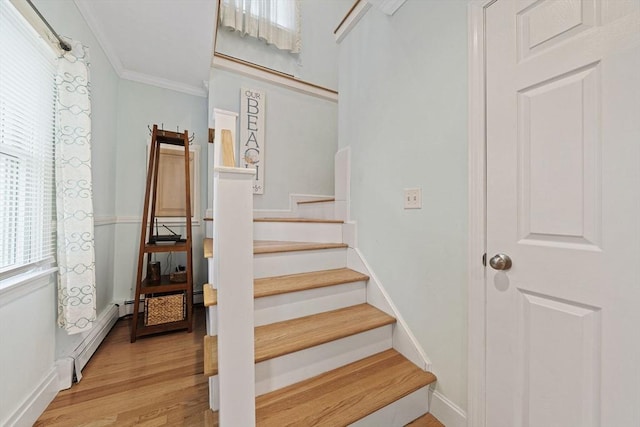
column 398, row 413
column 403, row 340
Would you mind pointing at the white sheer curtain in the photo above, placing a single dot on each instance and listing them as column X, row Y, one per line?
column 275, row 21
column 76, row 259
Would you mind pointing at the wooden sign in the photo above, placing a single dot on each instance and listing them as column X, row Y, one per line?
column 252, row 113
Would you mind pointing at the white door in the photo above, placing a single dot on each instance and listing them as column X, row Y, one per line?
column 563, row 202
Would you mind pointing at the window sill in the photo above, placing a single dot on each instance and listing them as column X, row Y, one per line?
column 23, row 284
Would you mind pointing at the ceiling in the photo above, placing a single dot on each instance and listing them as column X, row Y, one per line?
column 165, row 43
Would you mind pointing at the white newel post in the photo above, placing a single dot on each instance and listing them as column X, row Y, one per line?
column 233, row 277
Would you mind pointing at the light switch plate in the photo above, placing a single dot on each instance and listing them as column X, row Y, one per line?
column 413, row 198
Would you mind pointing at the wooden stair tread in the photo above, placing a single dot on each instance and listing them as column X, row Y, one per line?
column 289, row 336
column 307, row 220
column 344, row 395
column 278, row 285
column 299, row 282
column 427, row 420
column 210, row 355
column 210, row 295
column 325, row 200
column 276, row 246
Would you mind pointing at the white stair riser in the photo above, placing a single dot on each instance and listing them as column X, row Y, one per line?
column 295, row 367
column 298, row 231
column 399, row 413
column 212, row 320
column 280, row 264
column 278, row 308
column 283, row 263
column 266, row 228
column 320, row 210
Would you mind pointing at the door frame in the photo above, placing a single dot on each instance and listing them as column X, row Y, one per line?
column 477, row 170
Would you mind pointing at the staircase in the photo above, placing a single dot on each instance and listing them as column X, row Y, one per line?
column 323, row 355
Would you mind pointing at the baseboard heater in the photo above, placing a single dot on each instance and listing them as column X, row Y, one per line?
column 70, row 367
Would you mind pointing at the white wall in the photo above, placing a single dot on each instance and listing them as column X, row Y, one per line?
column 403, row 111
column 27, row 349
column 139, row 106
column 300, row 141
column 30, row 340
column 318, row 61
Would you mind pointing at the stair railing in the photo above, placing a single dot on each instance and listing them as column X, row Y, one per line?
column 233, row 278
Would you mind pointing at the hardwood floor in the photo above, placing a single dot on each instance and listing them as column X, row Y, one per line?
column 427, row 420
column 156, row 381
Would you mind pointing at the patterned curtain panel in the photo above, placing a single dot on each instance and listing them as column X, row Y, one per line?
column 76, row 259
column 275, row 21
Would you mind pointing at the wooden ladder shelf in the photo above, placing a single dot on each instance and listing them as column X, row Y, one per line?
column 168, row 305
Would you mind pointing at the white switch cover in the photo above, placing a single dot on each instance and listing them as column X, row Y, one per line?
column 413, row 198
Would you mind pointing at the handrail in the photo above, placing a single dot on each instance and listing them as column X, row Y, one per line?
column 346, row 16
column 221, row 60
column 351, row 19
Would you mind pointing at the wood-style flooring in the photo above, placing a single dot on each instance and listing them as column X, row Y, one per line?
column 156, row 381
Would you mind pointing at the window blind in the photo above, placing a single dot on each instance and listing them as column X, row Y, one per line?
column 27, row 120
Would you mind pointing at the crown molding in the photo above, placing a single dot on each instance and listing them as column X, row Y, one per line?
column 164, row 83
column 124, row 73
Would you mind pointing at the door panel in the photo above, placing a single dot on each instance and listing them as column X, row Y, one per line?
column 559, row 149
column 563, row 201
column 559, row 361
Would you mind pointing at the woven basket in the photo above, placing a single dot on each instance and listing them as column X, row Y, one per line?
column 164, row 309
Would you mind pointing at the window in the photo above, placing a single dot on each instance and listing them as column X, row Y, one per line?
column 27, row 120
column 275, row 21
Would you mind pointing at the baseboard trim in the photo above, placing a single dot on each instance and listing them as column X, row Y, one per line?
column 36, row 403
column 447, row 412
